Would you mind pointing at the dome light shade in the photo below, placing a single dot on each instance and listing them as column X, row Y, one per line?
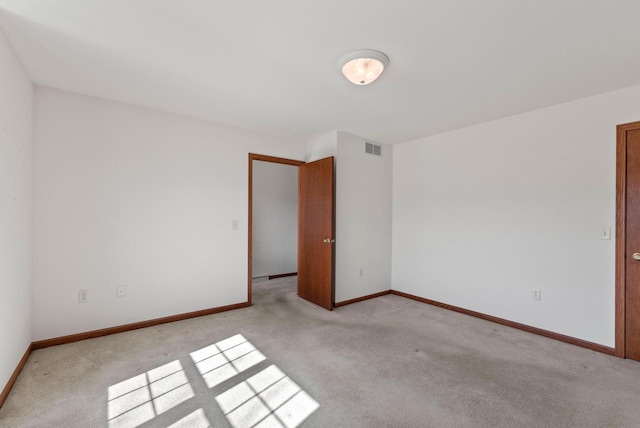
column 364, row 66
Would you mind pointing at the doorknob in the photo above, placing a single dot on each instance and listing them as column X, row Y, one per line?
column 328, row 240
column 636, row 256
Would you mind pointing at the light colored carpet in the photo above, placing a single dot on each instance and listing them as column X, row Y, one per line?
column 386, row 362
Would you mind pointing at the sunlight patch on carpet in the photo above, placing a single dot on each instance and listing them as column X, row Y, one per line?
column 196, row 419
column 141, row 398
column 225, row 359
column 269, row 398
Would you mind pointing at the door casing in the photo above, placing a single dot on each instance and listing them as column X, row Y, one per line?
column 264, row 158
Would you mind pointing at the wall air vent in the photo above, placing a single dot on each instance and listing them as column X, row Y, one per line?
column 372, row 149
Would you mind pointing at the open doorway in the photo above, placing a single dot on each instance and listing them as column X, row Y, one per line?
column 273, row 215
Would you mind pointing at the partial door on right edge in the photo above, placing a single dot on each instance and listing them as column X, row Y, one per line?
column 629, row 248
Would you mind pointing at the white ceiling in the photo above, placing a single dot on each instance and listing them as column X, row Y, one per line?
column 271, row 66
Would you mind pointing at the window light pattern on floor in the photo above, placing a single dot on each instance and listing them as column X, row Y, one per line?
column 267, row 399
column 196, row 419
column 225, row 359
column 143, row 397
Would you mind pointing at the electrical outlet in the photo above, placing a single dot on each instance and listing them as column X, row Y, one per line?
column 361, row 272
column 83, row 296
column 121, row 291
column 536, row 294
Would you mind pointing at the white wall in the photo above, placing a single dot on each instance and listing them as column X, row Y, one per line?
column 485, row 214
column 363, row 219
column 16, row 154
column 322, row 147
column 136, row 197
column 275, row 219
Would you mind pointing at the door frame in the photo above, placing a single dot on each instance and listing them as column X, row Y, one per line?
column 621, row 234
column 264, row 158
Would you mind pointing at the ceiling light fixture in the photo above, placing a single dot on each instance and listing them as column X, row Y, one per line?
column 364, row 66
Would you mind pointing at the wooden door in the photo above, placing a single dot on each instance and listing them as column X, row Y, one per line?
column 632, row 242
column 316, row 232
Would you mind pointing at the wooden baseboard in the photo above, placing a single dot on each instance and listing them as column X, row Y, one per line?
column 360, row 299
column 14, row 376
column 134, row 326
column 546, row 333
column 282, row 275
